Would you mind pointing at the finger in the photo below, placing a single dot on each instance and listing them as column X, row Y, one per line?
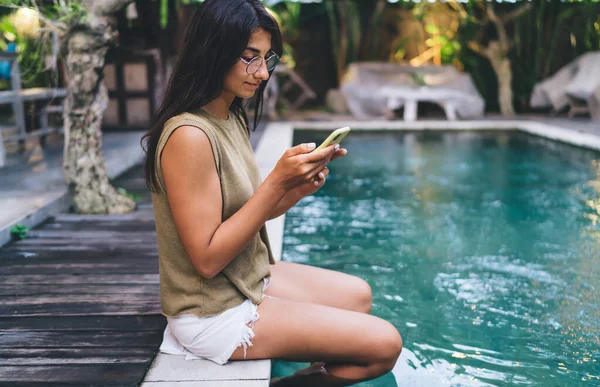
column 325, row 153
column 317, row 167
column 339, row 153
column 323, row 173
column 319, row 182
column 301, row 149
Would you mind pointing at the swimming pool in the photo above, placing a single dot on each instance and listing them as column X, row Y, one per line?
column 482, row 248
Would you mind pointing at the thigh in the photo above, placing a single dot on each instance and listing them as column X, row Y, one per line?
column 293, row 281
column 300, row 331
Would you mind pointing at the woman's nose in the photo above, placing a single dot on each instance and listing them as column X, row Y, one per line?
column 263, row 72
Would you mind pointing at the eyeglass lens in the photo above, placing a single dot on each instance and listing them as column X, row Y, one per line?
column 254, row 65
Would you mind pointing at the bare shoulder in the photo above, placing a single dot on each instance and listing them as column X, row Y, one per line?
column 187, row 143
column 188, row 136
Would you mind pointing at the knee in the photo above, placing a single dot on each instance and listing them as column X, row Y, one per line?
column 390, row 344
column 363, row 296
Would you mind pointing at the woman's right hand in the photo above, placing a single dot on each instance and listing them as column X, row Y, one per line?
column 299, row 165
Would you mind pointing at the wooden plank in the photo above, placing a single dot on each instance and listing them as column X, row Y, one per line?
column 84, row 323
column 147, row 227
column 48, row 254
column 100, row 299
column 45, row 384
column 109, row 357
column 91, row 248
column 145, row 217
column 150, row 307
column 80, row 238
column 76, row 257
column 73, row 353
column 63, row 339
column 28, row 253
column 80, row 301
column 81, row 268
column 102, row 374
column 108, row 238
column 76, row 289
column 64, row 279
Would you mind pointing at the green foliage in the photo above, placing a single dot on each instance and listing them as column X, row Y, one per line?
column 345, row 31
column 31, row 54
column 130, row 195
column 547, row 37
column 32, row 50
column 288, row 17
column 479, row 68
column 164, row 13
column 446, row 40
column 62, row 14
column 19, row 232
column 72, row 13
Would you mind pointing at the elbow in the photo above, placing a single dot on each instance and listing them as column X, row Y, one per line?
column 204, row 268
column 207, row 274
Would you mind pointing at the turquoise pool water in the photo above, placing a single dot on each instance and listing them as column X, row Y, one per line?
column 482, row 248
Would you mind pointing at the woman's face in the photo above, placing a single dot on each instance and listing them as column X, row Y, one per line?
column 237, row 81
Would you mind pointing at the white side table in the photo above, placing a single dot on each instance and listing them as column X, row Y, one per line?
column 410, row 97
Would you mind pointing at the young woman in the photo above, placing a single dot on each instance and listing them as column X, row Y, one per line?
column 221, row 291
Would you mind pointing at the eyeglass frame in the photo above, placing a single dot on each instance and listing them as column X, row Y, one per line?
column 249, row 62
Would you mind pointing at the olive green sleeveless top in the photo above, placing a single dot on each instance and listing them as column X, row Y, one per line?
column 182, row 289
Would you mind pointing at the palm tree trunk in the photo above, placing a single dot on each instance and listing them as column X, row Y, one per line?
column 86, row 100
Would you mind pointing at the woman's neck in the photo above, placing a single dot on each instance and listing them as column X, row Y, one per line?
column 220, row 106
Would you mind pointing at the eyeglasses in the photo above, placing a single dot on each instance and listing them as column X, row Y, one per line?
column 254, row 64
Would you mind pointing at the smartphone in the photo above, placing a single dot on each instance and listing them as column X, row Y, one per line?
column 334, row 138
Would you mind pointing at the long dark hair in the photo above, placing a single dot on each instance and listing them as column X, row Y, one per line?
column 214, row 41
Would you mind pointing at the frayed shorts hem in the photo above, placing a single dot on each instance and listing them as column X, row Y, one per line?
column 213, row 338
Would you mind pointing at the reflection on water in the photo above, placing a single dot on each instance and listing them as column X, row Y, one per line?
column 483, row 249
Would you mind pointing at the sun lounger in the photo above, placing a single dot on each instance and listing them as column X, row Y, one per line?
column 574, row 86
column 376, row 90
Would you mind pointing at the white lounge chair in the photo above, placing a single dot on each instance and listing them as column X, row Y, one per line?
column 575, row 86
column 375, row 90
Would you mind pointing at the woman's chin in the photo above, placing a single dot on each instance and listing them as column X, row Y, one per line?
column 246, row 94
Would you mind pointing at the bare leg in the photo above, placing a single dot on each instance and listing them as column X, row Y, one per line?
column 354, row 346
column 298, row 282
column 294, row 281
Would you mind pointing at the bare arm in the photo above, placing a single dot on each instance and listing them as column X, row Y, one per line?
column 194, row 195
column 288, row 201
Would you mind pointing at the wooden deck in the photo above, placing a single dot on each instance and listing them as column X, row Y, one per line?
column 79, row 299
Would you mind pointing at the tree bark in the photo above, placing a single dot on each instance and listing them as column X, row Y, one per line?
column 501, row 65
column 343, row 39
column 86, row 100
column 497, row 53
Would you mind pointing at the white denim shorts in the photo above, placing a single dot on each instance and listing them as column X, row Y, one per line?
column 212, row 338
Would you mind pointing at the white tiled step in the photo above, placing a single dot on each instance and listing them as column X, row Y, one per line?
column 175, row 370
column 210, row 383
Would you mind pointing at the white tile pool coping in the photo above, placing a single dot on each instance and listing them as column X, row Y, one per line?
column 168, row 370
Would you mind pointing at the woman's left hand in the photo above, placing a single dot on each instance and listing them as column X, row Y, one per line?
column 312, row 187
column 319, row 180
